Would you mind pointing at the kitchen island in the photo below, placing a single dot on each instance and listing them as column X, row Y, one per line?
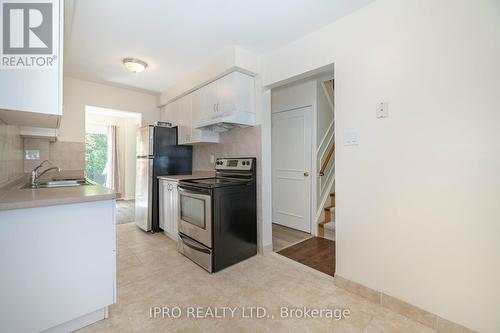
column 57, row 257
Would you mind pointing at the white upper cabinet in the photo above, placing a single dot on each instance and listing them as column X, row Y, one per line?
column 181, row 113
column 31, row 78
column 199, row 98
column 184, row 120
column 230, row 101
column 215, row 107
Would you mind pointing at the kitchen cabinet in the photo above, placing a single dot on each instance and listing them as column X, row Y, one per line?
column 233, row 93
column 32, row 94
column 215, row 107
column 58, row 265
column 180, row 113
column 169, row 207
column 184, row 120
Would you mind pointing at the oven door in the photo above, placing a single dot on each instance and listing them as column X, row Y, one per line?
column 195, row 214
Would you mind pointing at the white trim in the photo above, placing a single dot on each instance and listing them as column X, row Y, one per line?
column 330, row 127
column 79, row 322
column 327, row 94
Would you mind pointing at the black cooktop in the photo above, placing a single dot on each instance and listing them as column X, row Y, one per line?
column 211, row 182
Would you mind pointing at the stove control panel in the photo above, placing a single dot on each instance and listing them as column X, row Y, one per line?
column 233, row 164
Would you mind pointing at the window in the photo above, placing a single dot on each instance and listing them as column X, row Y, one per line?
column 96, row 156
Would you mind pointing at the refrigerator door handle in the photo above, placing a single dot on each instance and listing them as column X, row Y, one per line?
column 151, row 140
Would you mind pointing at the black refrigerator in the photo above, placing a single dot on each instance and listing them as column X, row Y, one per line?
column 157, row 155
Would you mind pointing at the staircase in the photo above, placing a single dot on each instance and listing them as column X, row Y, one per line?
column 325, row 209
column 327, row 215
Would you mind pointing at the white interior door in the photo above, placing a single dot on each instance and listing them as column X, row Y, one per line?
column 292, row 158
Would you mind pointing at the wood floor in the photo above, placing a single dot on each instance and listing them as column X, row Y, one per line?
column 125, row 211
column 284, row 237
column 315, row 252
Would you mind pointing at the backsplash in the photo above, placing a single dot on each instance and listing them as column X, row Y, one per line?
column 11, row 153
column 65, row 155
column 238, row 142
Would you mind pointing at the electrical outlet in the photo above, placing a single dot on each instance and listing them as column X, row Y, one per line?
column 30, row 154
column 382, row 110
column 351, row 137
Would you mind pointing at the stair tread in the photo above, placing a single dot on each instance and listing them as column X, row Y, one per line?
column 332, row 194
column 328, row 207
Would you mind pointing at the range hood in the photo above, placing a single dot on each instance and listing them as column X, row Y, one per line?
column 223, row 123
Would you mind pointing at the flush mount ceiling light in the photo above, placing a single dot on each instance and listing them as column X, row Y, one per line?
column 135, row 65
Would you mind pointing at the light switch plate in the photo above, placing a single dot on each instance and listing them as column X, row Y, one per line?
column 30, row 154
column 351, row 137
column 212, row 159
column 382, row 110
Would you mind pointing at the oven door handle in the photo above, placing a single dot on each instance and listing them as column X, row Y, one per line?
column 192, row 245
column 197, row 192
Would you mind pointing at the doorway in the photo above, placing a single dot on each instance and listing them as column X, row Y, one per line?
column 302, row 171
column 110, row 151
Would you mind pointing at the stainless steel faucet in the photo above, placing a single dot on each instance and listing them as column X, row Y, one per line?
column 35, row 175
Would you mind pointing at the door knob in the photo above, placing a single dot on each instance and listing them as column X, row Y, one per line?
column 306, row 174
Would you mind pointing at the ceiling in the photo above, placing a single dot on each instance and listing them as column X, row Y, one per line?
column 176, row 37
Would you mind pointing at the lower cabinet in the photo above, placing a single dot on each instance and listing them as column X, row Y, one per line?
column 169, row 207
column 58, row 266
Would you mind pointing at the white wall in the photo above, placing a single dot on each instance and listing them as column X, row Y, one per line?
column 418, row 200
column 78, row 94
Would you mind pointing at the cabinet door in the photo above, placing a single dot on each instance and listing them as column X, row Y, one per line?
column 184, row 120
column 174, row 208
column 37, row 90
column 226, row 98
column 164, row 201
column 236, row 93
column 172, row 112
column 198, row 107
column 211, row 100
column 166, row 113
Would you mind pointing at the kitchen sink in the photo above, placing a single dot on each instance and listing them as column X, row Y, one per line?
column 60, row 183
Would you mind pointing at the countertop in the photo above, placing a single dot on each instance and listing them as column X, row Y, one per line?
column 196, row 174
column 13, row 196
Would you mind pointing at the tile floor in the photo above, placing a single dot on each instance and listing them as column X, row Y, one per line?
column 152, row 273
column 284, row 237
column 125, row 211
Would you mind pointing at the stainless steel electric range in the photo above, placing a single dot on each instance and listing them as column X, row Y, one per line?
column 218, row 216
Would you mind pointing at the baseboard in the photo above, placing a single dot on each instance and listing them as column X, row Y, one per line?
column 266, row 248
column 413, row 312
column 79, row 322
